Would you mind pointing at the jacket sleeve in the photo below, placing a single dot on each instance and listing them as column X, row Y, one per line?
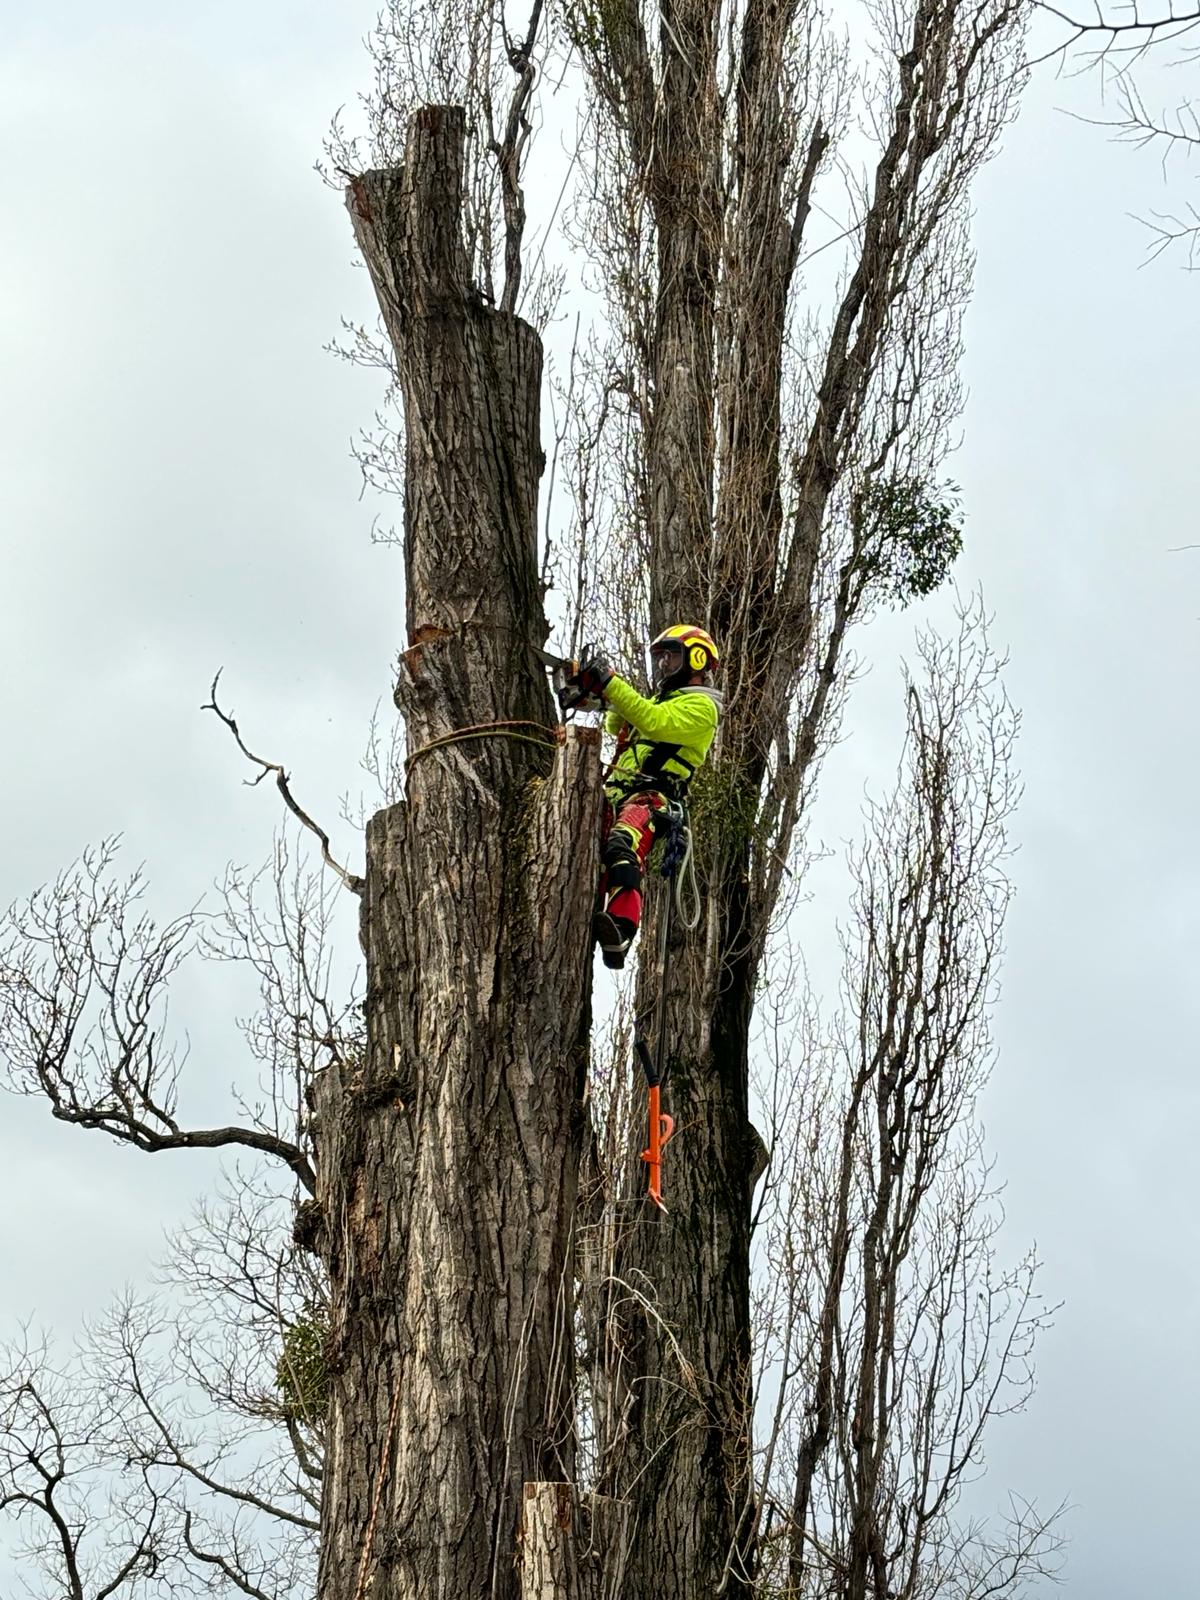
column 613, row 722
column 686, row 719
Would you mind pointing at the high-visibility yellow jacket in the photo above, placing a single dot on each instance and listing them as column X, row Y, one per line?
column 668, row 738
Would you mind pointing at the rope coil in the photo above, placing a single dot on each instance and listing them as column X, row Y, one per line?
column 679, row 867
column 686, row 887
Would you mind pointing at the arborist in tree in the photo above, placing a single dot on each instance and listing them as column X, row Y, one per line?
column 661, row 742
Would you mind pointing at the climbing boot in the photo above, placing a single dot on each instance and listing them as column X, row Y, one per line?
column 614, row 935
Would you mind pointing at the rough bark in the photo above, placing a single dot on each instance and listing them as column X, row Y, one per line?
column 685, row 196
column 690, row 1409
column 447, row 1163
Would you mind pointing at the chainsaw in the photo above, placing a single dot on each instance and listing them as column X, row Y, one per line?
column 563, row 676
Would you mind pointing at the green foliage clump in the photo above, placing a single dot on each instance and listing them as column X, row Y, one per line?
column 723, row 811
column 912, row 533
column 300, row 1373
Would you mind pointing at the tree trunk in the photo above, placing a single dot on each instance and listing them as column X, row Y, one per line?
column 691, row 1427
column 693, row 1443
column 448, row 1161
column 691, row 1406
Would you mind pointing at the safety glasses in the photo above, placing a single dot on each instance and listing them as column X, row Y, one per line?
column 664, row 660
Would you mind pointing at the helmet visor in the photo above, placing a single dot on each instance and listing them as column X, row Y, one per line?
column 665, row 660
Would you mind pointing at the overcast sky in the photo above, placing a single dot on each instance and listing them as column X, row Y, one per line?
column 177, row 495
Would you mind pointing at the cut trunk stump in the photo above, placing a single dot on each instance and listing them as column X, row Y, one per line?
column 573, row 1545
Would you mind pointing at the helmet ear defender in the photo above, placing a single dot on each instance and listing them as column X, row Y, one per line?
column 698, row 658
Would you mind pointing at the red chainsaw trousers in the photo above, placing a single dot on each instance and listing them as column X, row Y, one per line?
column 628, row 835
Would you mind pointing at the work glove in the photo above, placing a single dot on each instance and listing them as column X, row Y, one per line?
column 582, row 691
column 595, row 674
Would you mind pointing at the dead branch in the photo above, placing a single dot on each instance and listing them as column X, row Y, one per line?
column 509, row 152
column 353, row 883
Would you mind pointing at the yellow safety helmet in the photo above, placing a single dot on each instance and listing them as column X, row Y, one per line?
column 697, row 645
column 696, row 652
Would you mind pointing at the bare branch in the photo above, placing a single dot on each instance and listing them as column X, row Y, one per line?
column 1116, row 43
column 509, row 152
column 90, row 1540
column 212, row 1558
column 353, row 883
column 892, row 1335
column 83, row 1013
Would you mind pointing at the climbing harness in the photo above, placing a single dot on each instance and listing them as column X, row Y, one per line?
column 677, row 869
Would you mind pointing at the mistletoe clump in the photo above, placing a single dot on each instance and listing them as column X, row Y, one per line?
column 301, row 1375
column 912, row 533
